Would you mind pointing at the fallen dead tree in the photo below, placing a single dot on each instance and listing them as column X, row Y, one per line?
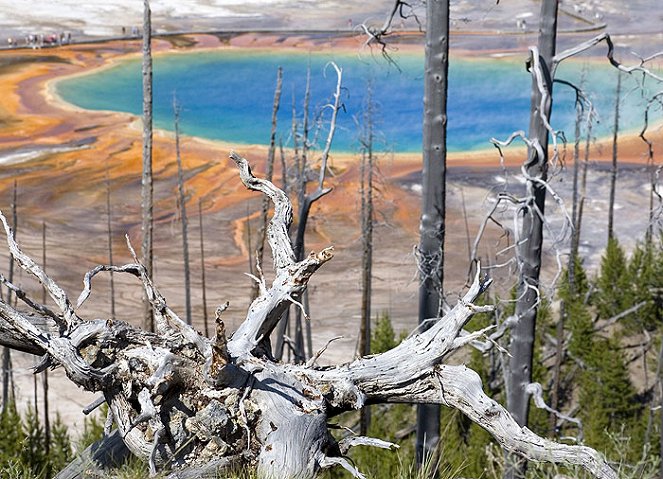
column 182, row 401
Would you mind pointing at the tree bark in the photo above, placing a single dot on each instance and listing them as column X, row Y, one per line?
column 47, row 419
column 183, row 217
column 613, row 170
column 147, row 191
column 366, row 190
column 432, row 225
column 202, row 269
column 109, row 230
column 530, row 236
column 6, row 351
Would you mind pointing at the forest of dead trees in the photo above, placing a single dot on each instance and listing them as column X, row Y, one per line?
column 562, row 360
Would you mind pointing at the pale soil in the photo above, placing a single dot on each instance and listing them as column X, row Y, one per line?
column 66, row 189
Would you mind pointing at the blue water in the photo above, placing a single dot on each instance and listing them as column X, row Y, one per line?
column 228, row 95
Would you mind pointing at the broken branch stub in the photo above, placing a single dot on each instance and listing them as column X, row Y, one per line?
column 181, row 401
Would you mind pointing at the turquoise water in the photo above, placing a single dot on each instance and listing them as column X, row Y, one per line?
column 228, row 95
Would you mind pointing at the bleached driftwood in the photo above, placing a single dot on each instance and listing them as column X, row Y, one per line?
column 184, row 402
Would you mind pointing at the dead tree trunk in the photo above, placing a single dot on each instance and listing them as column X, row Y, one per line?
column 613, row 170
column 571, row 265
column 183, row 218
column 6, row 351
column 202, row 269
column 147, row 191
column 583, row 181
column 47, row 419
column 366, row 191
column 432, row 226
column 182, row 401
column 109, row 230
column 530, row 236
column 260, row 246
column 302, row 220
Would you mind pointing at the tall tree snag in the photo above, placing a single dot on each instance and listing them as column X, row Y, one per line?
column 530, row 236
column 613, row 169
column 366, row 192
column 193, row 404
column 260, row 247
column 181, row 195
column 147, row 190
column 431, row 229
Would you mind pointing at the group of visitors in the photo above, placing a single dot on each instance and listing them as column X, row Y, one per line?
column 40, row 40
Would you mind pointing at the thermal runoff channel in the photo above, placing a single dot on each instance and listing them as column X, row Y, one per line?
column 228, row 95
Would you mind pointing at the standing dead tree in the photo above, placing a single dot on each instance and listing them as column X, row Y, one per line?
column 203, row 284
column 433, row 208
column 182, row 401
column 109, row 233
column 7, row 380
column 530, row 219
column 181, row 201
column 147, row 191
column 613, row 169
column 305, row 202
column 260, row 247
column 530, row 236
column 655, row 197
column 367, row 217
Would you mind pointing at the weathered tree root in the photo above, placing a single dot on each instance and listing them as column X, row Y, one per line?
column 185, row 402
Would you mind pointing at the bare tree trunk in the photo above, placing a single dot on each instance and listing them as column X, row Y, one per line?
column 519, row 374
column 613, row 171
column 185, row 224
column 6, row 354
column 573, row 254
column 147, row 192
column 366, row 190
column 283, row 328
column 557, row 370
column 583, row 181
column 654, row 170
column 47, row 419
column 284, row 169
column 575, row 219
column 109, row 229
column 432, row 226
column 304, row 208
column 260, row 246
column 306, row 200
column 202, row 269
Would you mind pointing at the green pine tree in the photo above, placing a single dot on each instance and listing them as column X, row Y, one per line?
column 646, row 270
column 383, row 337
column 33, row 452
column 60, row 453
column 11, row 436
column 608, row 399
column 614, row 286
